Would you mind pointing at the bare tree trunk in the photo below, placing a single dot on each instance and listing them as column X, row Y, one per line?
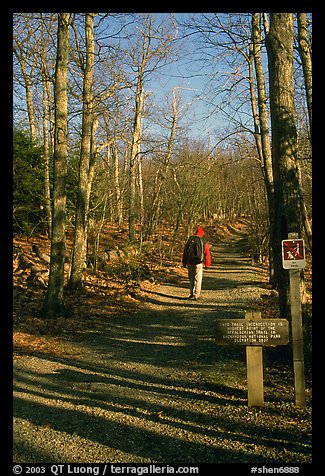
column 306, row 222
column 30, row 109
column 47, row 106
column 264, row 132
column 24, row 58
column 46, row 158
column 54, row 305
column 306, row 59
column 164, row 169
column 135, row 149
column 154, row 47
column 140, row 185
column 284, row 142
column 85, row 178
column 116, row 181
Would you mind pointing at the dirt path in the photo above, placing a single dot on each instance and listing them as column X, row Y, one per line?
column 154, row 387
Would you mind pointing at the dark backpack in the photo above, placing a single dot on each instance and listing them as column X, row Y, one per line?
column 194, row 250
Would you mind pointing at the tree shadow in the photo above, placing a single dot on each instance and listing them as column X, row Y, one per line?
column 135, row 391
column 131, row 421
column 142, row 442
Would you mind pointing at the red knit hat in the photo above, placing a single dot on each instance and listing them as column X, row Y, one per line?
column 200, row 232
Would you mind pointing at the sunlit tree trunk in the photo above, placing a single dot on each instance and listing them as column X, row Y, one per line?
column 135, row 150
column 47, row 144
column 117, row 187
column 54, row 303
column 284, row 142
column 149, row 50
column 26, row 57
column 306, row 59
column 162, row 174
column 264, row 132
column 46, row 158
column 85, row 178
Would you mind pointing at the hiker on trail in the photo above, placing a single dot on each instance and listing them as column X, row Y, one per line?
column 196, row 255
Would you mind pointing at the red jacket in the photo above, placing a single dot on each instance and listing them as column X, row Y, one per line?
column 207, row 256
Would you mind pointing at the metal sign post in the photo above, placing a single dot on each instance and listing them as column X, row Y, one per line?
column 293, row 258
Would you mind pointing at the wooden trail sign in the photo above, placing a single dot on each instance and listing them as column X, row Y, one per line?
column 253, row 332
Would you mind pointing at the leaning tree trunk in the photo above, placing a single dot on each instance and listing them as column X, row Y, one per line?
column 284, row 142
column 54, row 305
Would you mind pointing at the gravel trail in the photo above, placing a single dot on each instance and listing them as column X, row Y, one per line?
column 153, row 387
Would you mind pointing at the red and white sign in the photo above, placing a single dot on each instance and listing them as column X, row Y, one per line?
column 293, row 254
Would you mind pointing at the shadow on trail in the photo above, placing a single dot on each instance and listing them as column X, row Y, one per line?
column 119, row 392
column 134, row 400
column 136, row 391
column 130, row 439
column 217, row 309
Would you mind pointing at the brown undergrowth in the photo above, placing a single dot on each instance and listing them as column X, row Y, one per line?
column 119, row 287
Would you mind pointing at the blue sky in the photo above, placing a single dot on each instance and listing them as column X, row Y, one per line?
column 189, row 73
column 197, row 73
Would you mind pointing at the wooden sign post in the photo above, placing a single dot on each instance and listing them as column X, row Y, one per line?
column 254, row 363
column 294, row 260
column 254, row 332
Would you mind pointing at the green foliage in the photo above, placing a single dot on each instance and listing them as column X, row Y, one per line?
column 28, row 182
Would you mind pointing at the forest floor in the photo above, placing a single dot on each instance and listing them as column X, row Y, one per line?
column 137, row 377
